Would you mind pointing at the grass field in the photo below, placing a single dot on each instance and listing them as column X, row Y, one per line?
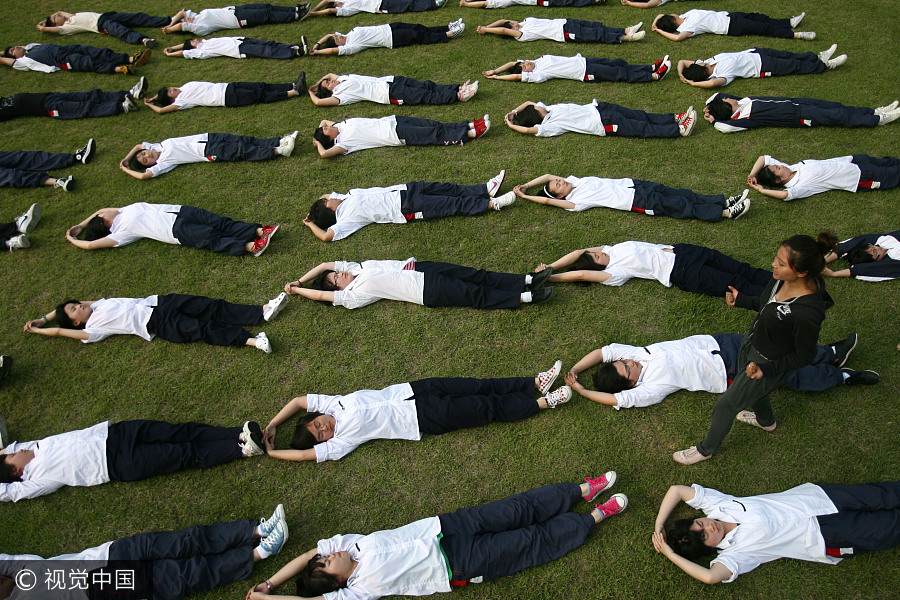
column 845, row 435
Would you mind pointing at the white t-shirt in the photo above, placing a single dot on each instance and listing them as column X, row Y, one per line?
column 593, row 192
column 731, row 65
column 770, row 526
column 365, row 415
column 360, row 38
column 380, row 280
column 362, row 206
column 817, row 176
column 177, row 151
column 352, row 7
column 641, row 260
column 200, row 93
column 80, row 23
column 705, row 21
column 142, row 220
column 550, row 66
column 667, row 367
column 358, row 88
column 361, row 134
column 222, row 46
column 570, row 117
column 211, row 19
column 114, row 316
column 508, row 3
column 542, row 29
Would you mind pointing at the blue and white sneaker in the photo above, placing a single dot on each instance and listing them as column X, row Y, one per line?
column 273, row 542
column 267, row 526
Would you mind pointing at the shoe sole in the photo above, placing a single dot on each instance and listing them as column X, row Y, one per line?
column 847, row 355
column 32, row 217
column 280, row 303
column 88, row 153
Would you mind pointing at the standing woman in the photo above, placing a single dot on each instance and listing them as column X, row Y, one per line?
column 781, row 339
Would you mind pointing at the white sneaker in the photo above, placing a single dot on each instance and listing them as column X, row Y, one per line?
column 286, row 146
column 889, row 116
column 28, row 221
column 682, row 117
column 128, row 104
column 139, row 88
column 276, row 305
column 825, row 55
column 558, row 396
column 467, row 91
column 456, row 28
column 634, row 28
column 796, row 20
column 67, row 184
column 493, row 184
column 886, row 109
column 18, row 243
column 546, row 378
column 634, row 37
column 263, row 343
column 834, row 63
column 504, row 200
column 687, row 125
column 805, row 35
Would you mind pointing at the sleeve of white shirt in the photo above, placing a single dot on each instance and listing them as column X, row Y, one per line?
column 23, row 490
column 348, row 49
column 197, row 53
column 94, row 337
column 706, row 499
column 160, row 168
column 643, row 394
column 616, row 278
column 338, row 543
column 347, row 266
column 727, row 127
column 351, row 299
column 28, row 64
column 343, row 229
column 534, row 77
column 334, row 449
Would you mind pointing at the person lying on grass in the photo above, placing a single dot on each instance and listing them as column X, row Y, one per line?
column 333, row 90
column 697, row 22
column 334, row 139
column 872, row 257
column 856, row 173
column 391, row 35
column 725, row 67
column 579, row 68
column 204, row 93
column 563, row 30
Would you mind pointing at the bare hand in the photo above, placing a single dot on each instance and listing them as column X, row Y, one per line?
column 753, row 371
column 659, row 542
column 307, row 221
column 489, row 73
column 261, row 588
column 540, row 268
column 520, row 190
column 572, row 381
column 481, row 30
column 731, row 296
column 707, row 115
column 508, row 119
column 269, row 435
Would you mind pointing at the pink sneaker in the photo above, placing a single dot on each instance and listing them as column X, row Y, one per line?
column 613, row 506
column 598, row 485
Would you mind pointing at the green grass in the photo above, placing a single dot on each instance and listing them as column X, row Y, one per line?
column 843, row 435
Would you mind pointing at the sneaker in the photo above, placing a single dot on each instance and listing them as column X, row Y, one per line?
column 540, row 278
column 128, row 104
column 84, row 155
column 303, row 11
column 494, row 183
column 541, row 295
column 634, row 37
column 273, row 542
column 663, row 69
column 271, row 229
column 299, row 84
column 834, row 63
column 558, row 396
column 287, row 143
column 150, row 43
column 825, row 55
column 796, row 20
column 139, row 88
column 141, row 58
column 868, row 377
column 456, row 28
column 748, row 417
column 20, row 242
column 126, row 69
column 691, row 456
column 276, row 305
column 740, row 209
column 613, row 506
column 805, row 35
column 440, row 3
column 267, row 526
column 546, row 379
column 66, row 184
column 886, row 109
column 263, row 343
column 732, row 200
column 261, row 243
column 252, row 439
column 482, row 126
column 504, row 200
column 660, row 62
column 634, row 28
column 842, row 349
column 599, row 485
column 889, row 117
column 467, row 91
column 681, row 117
column 687, row 126
column 29, row 220
column 5, row 364
column 303, row 49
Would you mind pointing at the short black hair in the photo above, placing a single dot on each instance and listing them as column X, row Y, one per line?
column 695, row 72
column 162, row 97
column 49, row 22
column 96, row 229
column 319, row 134
column 7, row 471
column 321, row 215
column 313, row 581
column 766, row 177
column 607, row 379
column 516, row 68
column 859, row 255
column 135, row 165
column 7, row 52
column 528, row 116
column 719, row 109
column 187, row 45
column 507, row 24
column 667, row 23
column 322, row 283
column 686, row 542
column 63, row 319
column 328, row 42
column 321, row 91
column 303, row 438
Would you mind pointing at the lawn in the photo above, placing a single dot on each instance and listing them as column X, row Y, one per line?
column 845, row 435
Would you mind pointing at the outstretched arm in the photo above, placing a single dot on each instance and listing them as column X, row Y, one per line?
column 38, row 326
column 497, row 30
column 592, row 358
column 329, row 153
column 842, row 273
column 329, row 101
column 508, row 119
column 498, row 72
column 647, row 4
column 160, row 110
column 290, row 409
column 263, row 590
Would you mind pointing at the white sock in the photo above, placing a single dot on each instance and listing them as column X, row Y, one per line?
column 528, row 280
column 263, row 553
column 845, row 375
column 259, row 531
column 526, row 297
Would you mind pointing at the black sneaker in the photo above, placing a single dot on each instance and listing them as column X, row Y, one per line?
column 4, row 435
column 84, row 155
column 302, row 11
column 540, row 278
column 150, row 43
column 732, row 200
column 861, row 377
column 843, row 349
column 541, row 295
column 300, row 83
column 304, row 47
column 5, row 365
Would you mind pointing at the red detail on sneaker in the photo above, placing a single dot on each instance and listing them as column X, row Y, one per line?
column 609, row 508
column 394, row 101
column 865, row 184
column 596, row 486
column 480, row 129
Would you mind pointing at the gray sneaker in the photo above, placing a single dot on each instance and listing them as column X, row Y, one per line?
column 834, row 63
column 299, row 84
column 805, row 35
column 796, row 20
column 28, row 221
column 825, row 55
column 20, row 242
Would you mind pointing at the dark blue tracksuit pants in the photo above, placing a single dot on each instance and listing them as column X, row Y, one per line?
column 818, row 376
column 251, row 15
column 402, row 6
column 227, row 147
column 246, row 93
column 184, row 562
column 119, row 25
column 408, row 34
column 579, row 30
column 183, row 318
column 404, row 90
column 7, row 231
column 15, row 164
column 199, row 228
column 679, row 203
column 141, row 449
column 449, row 403
column 252, row 48
column 415, row 131
column 834, row 114
column 627, row 122
column 781, row 62
column 877, row 173
column 78, row 105
column 423, row 200
column 742, row 23
column 617, row 69
column 868, row 518
column 454, row 285
column 508, row 536
column 78, row 58
column 707, row 271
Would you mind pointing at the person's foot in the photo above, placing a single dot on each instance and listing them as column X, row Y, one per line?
column 139, row 88
column 539, row 278
column 287, row 143
column 274, row 542
column 85, row 154
column 611, row 507
column 825, row 55
column 440, row 3
column 482, row 126
column 303, row 46
column 558, row 396
column 634, row 37
column 26, row 222
column 150, row 43
column 494, row 183
column 262, row 242
column 267, row 526
column 842, row 349
column 662, row 69
column 546, row 378
column 598, row 485
column 749, row 417
column 834, row 63
column 251, row 439
column 5, row 366
column 503, row 201
column 634, row 28
column 805, row 35
column 125, row 69
column 691, row 456
column 128, row 104
column 687, row 125
column 682, row 117
column 66, row 184
column 889, row 116
column 303, row 11
column 732, row 200
column 275, row 306
column 868, row 377
column 739, row 209
column 299, row 84
column 886, row 109
column 263, row 343
column 541, row 295
column 140, row 58
column 796, row 20
column 456, row 28
column 467, row 91
column 19, row 242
